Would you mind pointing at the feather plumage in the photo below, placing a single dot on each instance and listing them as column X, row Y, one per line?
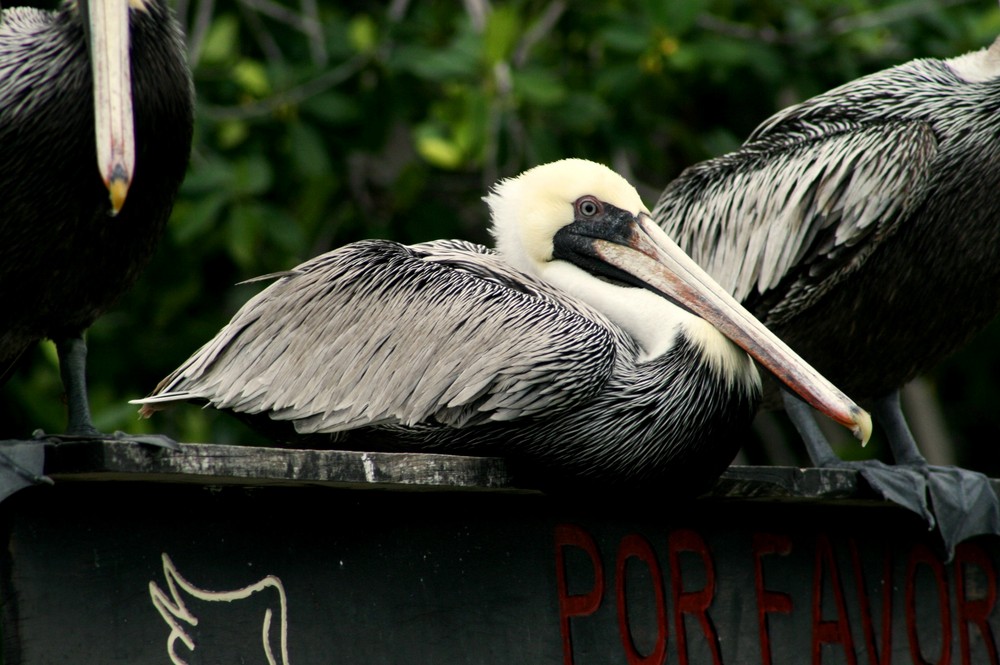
column 63, row 259
column 495, row 361
column 861, row 223
column 540, row 352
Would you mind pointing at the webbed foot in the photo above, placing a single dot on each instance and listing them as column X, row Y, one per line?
column 22, row 464
column 157, row 440
column 964, row 503
column 959, row 503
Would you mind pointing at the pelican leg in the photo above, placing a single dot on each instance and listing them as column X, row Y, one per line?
column 80, row 427
column 73, row 370
column 803, row 418
column 902, row 485
column 890, row 416
column 963, row 501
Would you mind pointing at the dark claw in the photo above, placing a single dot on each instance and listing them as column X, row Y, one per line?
column 42, row 435
column 158, row 440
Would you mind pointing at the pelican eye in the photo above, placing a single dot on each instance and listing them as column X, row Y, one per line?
column 588, row 206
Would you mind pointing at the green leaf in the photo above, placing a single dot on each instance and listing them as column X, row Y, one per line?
column 308, row 150
column 252, row 77
column 207, row 176
column 333, row 108
column 232, row 133
column 501, row 34
column 252, row 176
column 362, row 32
column 221, row 42
column 469, row 128
column 459, row 61
column 539, row 87
column 584, row 111
column 625, row 38
column 193, row 219
column 243, row 232
column 436, row 148
column 675, row 16
column 282, row 228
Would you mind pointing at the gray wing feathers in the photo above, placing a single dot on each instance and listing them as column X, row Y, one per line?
column 378, row 333
column 792, row 210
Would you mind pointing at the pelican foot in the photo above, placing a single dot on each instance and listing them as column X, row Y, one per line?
column 964, row 503
column 157, row 440
column 905, row 486
column 961, row 504
column 22, row 464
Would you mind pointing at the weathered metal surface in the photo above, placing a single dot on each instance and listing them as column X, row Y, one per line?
column 247, row 465
column 170, row 563
column 244, row 465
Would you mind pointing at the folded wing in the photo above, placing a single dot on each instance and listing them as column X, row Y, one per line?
column 381, row 333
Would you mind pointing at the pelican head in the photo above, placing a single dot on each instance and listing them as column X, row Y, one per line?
column 530, row 209
column 584, row 229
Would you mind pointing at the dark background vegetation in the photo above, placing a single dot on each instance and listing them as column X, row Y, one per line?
column 323, row 122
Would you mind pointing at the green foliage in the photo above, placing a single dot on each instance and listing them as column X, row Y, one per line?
column 361, row 119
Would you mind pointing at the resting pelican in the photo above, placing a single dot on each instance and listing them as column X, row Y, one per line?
column 586, row 347
column 96, row 117
column 864, row 225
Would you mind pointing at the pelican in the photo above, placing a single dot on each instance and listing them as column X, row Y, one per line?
column 587, row 347
column 96, row 117
column 864, row 224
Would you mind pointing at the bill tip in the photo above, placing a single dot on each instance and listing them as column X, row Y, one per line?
column 118, row 185
column 862, row 426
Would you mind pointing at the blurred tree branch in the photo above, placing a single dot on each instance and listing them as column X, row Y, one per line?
column 293, row 96
column 868, row 20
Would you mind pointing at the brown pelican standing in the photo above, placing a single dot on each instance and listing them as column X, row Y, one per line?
column 96, row 116
column 864, row 224
column 586, row 347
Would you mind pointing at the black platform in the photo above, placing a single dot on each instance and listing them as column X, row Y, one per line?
column 225, row 554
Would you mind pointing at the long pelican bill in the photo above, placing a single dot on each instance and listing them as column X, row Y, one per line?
column 113, row 120
column 649, row 255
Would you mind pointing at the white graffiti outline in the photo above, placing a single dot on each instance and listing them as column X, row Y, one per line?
column 173, row 610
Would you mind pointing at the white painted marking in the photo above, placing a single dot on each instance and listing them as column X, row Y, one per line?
column 173, row 610
column 369, row 465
